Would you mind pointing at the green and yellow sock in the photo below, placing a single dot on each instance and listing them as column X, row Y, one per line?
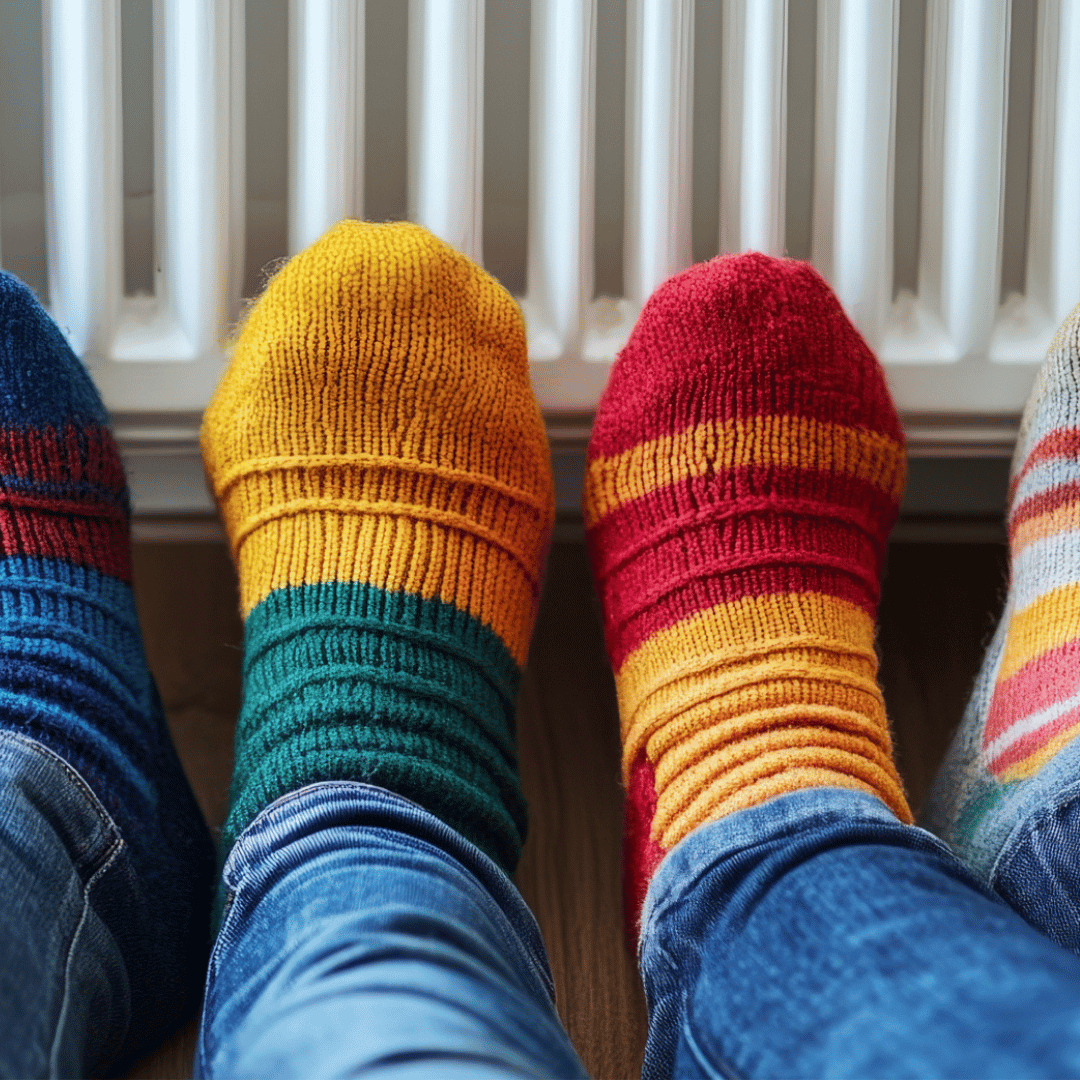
column 381, row 467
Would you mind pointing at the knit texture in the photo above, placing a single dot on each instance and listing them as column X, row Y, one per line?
column 1015, row 749
column 745, row 468
column 73, row 676
column 382, row 470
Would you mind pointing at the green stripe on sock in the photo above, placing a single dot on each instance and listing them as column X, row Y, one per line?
column 346, row 681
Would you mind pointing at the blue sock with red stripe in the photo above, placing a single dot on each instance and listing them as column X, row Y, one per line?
column 73, row 676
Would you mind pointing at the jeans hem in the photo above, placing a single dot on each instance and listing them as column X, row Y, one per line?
column 414, row 820
column 691, row 858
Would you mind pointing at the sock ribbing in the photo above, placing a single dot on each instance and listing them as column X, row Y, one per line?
column 382, row 471
column 745, row 469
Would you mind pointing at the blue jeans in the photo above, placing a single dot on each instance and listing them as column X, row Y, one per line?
column 811, row 935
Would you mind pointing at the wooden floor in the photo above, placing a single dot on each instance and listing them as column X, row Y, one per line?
column 939, row 607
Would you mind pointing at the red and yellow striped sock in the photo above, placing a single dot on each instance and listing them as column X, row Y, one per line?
column 745, row 468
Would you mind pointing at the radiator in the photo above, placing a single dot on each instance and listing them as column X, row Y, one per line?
column 960, row 356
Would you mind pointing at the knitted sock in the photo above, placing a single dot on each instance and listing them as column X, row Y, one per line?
column 1015, row 749
column 73, row 676
column 745, row 469
column 381, row 467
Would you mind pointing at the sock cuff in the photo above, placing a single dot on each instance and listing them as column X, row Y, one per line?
column 348, row 681
column 483, row 555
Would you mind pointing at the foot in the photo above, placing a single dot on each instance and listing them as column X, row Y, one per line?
column 1015, row 753
column 381, row 467
column 73, row 676
column 745, row 469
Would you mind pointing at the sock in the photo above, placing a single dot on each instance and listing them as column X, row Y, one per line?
column 1015, row 747
column 73, row 675
column 744, row 471
column 382, row 470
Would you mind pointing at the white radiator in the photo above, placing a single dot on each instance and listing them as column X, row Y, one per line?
column 959, row 356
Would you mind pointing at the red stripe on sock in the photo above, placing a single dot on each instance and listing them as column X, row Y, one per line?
column 100, row 543
column 1043, row 502
column 1034, row 741
column 1052, row 676
column 623, row 639
column 746, row 493
column 1061, row 443
column 62, row 497
column 714, row 563
column 68, row 457
column 641, row 854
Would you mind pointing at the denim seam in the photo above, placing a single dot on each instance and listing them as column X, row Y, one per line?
column 1028, row 827
column 114, row 854
column 715, row 1070
column 51, row 756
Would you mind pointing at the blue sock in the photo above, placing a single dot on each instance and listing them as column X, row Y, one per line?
column 73, row 675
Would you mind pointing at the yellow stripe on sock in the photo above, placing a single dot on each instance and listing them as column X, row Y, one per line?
column 401, row 554
column 1051, row 621
column 769, row 777
column 783, row 441
column 1029, row 766
column 782, row 628
column 1063, row 519
column 767, row 676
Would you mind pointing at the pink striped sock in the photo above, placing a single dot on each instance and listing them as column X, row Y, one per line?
column 1016, row 747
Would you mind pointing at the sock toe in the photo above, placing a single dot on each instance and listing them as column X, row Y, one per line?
column 384, row 369
column 745, row 335
column 42, row 383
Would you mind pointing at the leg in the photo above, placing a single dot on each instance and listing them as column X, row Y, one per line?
column 360, row 933
column 103, row 852
column 1006, row 797
column 745, row 469
column 380, row 465
column 816, row 935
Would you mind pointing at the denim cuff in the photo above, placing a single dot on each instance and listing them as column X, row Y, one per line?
column 301, row 814
column 807, row 808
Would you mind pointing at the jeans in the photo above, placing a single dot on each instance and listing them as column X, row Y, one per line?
column 87, row 978
column 811, row 935
column 360, row 932
column 815, row 935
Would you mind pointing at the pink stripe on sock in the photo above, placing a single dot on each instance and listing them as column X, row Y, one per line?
column 1044, row 502
column 1034, row 741
column 1052, row 676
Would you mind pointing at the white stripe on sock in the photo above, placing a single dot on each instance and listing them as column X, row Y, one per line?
column 1043, row 566
column 1027, row 726
column 1046, row 475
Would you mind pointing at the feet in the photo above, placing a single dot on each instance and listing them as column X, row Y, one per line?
column 1015, row 754
column 381, row 467
column 73, row 677
column 745, row 469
